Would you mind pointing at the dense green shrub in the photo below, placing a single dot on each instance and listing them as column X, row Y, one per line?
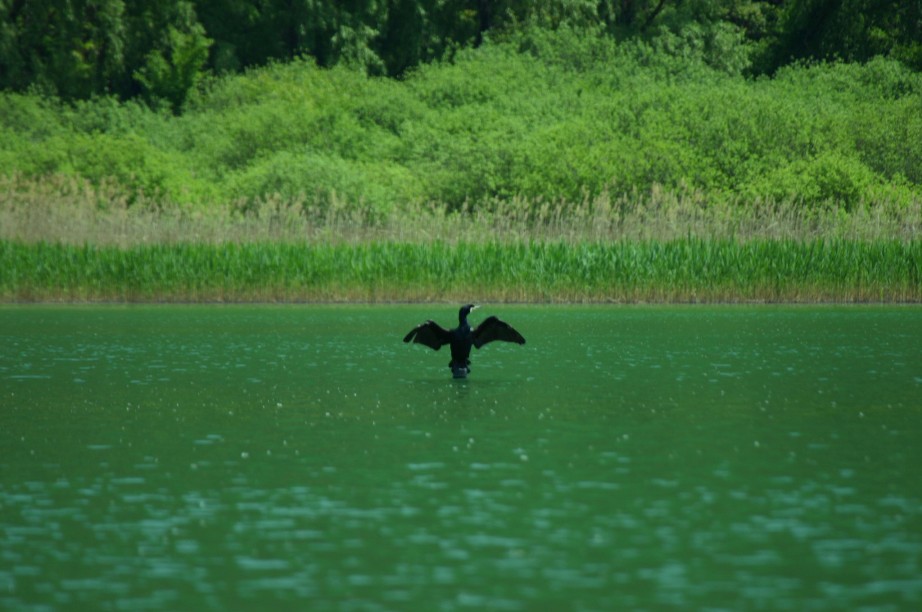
column 540, row 115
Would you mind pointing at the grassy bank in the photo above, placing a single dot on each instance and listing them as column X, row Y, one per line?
column 69, row 240
column 680, row 270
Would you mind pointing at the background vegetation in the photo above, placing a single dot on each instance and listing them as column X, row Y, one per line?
column 466, row 125
column 681, row 270
column 160, row 48
column 543, row 115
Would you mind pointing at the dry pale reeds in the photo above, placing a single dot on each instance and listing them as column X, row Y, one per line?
column 69, row 210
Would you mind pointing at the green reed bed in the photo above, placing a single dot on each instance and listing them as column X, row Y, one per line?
column 679, row 270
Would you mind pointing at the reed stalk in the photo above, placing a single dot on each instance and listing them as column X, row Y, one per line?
column 681, row 270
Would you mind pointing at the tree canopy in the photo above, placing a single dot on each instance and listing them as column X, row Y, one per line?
column 160, row 49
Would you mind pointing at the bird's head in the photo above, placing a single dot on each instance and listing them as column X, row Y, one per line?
column 465, row 310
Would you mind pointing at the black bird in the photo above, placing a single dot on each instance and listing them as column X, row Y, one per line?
column 462, row 338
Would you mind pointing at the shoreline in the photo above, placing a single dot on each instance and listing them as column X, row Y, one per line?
column 740, row 303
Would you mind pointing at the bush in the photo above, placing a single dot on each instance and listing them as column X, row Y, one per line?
column 321, row 181
column 827, row 179
column 541, row 115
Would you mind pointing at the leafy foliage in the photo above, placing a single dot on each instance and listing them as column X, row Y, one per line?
column 545, row 115
column 160, row 49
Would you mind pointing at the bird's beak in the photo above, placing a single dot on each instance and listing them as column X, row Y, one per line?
column 475, row 307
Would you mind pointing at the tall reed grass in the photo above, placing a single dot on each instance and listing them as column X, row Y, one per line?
column 679, row 270
column 74, row 211
column 66, row 239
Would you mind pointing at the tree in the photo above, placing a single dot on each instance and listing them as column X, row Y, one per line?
column 849, row 30
column 71, row 48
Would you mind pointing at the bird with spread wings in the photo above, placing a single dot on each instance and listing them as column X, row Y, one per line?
column 463, row 337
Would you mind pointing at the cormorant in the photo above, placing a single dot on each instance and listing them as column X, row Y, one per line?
column 462, row 338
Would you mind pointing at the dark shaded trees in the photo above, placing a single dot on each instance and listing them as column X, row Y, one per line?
column 849, row 30
column 80, row 48
column 159, row 49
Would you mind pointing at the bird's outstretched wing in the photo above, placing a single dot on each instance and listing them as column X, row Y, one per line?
column 429, row 333
column 493, row 329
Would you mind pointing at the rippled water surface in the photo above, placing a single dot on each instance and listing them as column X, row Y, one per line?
column 625, row 458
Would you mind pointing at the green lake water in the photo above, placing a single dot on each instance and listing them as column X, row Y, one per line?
column 303, row 457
